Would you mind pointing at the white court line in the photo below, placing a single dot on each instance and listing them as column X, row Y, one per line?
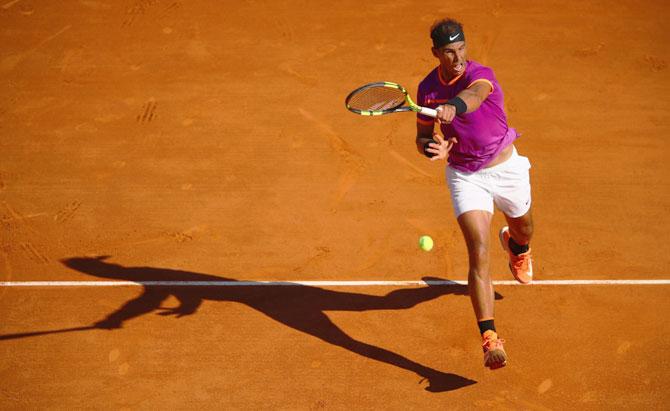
column 311, row 283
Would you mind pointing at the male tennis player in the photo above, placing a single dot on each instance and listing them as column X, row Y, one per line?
column 483, row 169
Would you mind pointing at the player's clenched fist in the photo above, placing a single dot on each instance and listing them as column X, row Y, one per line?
column 445, row 113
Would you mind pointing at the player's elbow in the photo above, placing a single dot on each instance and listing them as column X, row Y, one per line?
column 419, row 146
column 420, row 142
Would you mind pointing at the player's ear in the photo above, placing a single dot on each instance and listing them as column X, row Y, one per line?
column 435, row 52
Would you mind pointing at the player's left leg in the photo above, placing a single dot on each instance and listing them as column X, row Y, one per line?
column 513, row 197
column 515, row 240
column 521, row 228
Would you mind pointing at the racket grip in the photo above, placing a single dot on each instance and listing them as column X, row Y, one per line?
column 428, row 112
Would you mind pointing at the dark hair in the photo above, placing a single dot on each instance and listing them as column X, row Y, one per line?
column 444, row 28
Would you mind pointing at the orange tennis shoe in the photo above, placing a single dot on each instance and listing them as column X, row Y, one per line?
column 520, row 265
column 494, row 353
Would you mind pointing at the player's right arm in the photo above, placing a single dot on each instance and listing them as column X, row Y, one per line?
column 437, row 147
column 424, row 134
column 428, row 142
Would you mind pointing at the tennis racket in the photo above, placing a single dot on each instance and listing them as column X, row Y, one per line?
column 383, row 97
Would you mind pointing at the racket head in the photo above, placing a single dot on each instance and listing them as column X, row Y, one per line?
column 382, row 97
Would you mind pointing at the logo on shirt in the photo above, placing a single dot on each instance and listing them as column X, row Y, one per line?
column 430, row 101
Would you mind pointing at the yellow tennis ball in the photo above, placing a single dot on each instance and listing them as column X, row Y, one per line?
column 426, row 243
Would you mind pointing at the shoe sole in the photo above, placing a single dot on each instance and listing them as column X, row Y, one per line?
column 501, row 236
column 497, row 365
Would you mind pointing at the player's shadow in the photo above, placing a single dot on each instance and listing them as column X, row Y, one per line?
column 297, row 306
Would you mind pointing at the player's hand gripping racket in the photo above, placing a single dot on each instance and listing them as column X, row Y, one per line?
column 383, row 97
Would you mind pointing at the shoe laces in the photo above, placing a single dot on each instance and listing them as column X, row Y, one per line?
column 521, row 261
column 491, row 342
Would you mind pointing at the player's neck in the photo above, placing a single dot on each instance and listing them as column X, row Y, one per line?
column 448, row 76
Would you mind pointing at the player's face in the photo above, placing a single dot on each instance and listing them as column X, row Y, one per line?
column 452, row 58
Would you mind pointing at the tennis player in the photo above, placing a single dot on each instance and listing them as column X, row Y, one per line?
column 483, row 169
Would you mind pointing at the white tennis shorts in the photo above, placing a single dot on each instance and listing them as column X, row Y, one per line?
column 507, row 185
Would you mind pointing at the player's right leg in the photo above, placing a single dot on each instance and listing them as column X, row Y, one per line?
column 475, row 226
column 473, row 207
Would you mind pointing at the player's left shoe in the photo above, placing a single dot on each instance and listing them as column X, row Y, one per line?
column 494, row 354
column 520, row 265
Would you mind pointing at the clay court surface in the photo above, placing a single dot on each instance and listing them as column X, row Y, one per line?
column 207, row 141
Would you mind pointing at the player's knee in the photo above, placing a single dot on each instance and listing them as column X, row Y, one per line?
column 479, row 254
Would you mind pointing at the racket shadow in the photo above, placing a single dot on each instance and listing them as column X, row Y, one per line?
column 47, row 332
column 297, row 306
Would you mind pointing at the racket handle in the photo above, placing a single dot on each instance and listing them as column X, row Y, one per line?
column 428, row 112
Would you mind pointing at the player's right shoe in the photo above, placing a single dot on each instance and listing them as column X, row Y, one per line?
column 520, row 265
column 494, row 353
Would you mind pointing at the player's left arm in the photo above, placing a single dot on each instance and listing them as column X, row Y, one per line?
column 475, row 95
column 472, row 97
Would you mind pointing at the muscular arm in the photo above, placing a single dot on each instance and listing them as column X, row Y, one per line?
column 473, row 97
column 424, row 133
column 439, row 148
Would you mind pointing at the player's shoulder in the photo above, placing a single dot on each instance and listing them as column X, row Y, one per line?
column 476, row 70
column 431, row 80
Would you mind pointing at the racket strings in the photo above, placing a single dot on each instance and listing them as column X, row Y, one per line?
column 377, row 99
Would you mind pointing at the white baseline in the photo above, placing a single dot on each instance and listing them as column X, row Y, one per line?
column 315, row 283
